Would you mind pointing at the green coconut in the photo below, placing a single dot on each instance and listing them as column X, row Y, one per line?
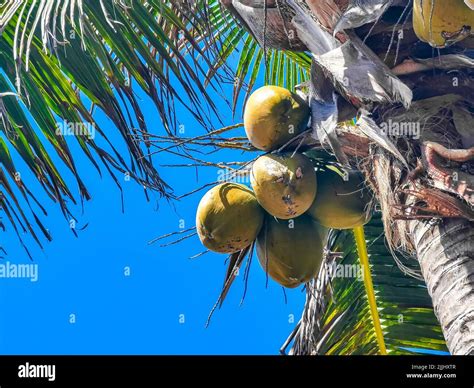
column 291, row 251
column 339, row 203
column 228, row 218
column 273, row 116
column 284, row 184
column 441, row 22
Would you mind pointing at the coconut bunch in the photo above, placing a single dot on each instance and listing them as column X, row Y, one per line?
column 290, row 206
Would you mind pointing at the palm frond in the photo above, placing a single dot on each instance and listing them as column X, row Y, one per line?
column 344, row 324
column 282, row 68
column 62, row 61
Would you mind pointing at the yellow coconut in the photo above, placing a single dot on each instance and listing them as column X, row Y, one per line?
column 442, row 22
column 228, row 218
column 285, row 184
column 291, row 251
column 339, row 203
column 273, row 115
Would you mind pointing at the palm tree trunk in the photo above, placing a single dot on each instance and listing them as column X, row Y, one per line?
column 446, row 255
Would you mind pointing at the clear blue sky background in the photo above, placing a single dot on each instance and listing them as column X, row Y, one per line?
column 138, row 314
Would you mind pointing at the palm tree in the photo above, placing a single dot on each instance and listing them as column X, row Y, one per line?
column 424, row 185
column 62, row 60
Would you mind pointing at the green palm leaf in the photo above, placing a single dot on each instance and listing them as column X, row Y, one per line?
column 66, row 60
column 345, row 322
column 282, row 68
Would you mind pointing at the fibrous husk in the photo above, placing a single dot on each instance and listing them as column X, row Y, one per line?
column 341, row 202
column 228, row 218
column 291, row 251
column 273, row 116
column 442, row 23
column 284, row 184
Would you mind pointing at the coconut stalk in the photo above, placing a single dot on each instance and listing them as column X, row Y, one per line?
column 369, row 287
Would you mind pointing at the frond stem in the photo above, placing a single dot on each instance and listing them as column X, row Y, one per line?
column 359, row 236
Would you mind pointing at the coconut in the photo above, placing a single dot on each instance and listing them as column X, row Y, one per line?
column 340, row 204
column 228, row 218
column 284, row 184
column 291, row 251
column 442, row 23
column 273, row 116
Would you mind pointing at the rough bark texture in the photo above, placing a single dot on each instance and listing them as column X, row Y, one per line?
column 446, row 255
column 267, row 22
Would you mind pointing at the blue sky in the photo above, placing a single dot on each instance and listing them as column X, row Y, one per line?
column 84, row 302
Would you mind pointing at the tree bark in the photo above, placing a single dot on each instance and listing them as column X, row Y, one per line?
column 267, row 22
column 446, row 255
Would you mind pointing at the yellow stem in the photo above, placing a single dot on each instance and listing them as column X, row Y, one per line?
column 369, row 286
